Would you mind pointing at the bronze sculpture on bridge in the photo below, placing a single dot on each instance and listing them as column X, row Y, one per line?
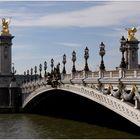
column 131, row 34
column 5, row 26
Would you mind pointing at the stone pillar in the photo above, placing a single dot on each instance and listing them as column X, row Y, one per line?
column 85, row 74
column 126, row 58
column 122, row 72
column 5, row 54
column 132, row 54
column 15, row 98
column 5, row 63
column 101, row 73
column 5, row 68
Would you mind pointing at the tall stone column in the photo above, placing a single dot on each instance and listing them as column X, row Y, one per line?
column 132, row 54
column 5, row 67
column 131, row 49
column 15, row 98
column 5, row 63
column 5, row 54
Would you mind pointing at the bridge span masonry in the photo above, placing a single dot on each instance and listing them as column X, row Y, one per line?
column 117, row 90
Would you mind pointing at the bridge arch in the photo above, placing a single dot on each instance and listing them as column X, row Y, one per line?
column 125, row 110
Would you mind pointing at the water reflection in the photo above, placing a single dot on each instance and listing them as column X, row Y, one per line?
column 38, row 126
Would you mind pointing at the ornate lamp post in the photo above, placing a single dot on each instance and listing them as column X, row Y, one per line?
column 24, row 77
column 122, row 49
column 28, row 76
column 45, row 68
column 31, row 74
column 86, row 56
column 40, row 69
column 58, row 68
column 52, row 65
column 35, row 70
column 102, row 53
column 13, row 73
column 73, row 60
column 64, row 62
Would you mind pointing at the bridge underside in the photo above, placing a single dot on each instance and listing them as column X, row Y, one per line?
column 63, row 104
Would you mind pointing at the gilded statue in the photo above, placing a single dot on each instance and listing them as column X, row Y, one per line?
column 131, row 34
column 5, row 26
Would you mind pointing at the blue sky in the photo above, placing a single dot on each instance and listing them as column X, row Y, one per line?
column 45, row 30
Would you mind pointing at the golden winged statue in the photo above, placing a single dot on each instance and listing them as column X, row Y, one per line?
column 5, row 26
column 131, row 34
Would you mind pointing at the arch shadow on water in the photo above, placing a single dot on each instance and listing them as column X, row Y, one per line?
column 62, row 104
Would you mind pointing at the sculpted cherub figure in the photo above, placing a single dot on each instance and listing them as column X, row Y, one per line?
column 131, row 33
column 5, row 26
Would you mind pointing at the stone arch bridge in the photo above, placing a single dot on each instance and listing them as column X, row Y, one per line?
column 116, row 90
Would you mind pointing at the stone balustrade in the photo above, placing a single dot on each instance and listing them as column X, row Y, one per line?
column 106, row 74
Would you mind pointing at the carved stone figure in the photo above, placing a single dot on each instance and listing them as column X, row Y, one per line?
column 128, row 96
column 107, row 90
column 137, row 98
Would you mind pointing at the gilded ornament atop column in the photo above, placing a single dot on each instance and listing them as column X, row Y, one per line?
column 131, row 34
column 5, row 27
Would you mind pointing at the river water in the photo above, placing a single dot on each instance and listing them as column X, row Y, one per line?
column 64, row 115
column 39, row 126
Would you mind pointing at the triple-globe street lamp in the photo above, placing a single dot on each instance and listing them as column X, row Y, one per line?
column 123, row 49
column 86, row 56
column 35, row 71
column 73, row 60
column 64, row 62
column 52, row 65
column 40, row 69
column 102, row 53
column 31, row 74
column 45, row 68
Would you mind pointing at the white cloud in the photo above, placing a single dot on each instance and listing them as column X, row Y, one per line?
column 66, row 44
column 111, row 13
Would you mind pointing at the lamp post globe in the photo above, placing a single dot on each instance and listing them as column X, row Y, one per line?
column 86, row 56
column 52, row 65
column 64, row 62
column 123, row 49
column 35, row 71
column 102, row 53
column 40, row 69
column 73, row 60
column 28, row 76
column 45, row 68
column 31, row 74
column 25, row 77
